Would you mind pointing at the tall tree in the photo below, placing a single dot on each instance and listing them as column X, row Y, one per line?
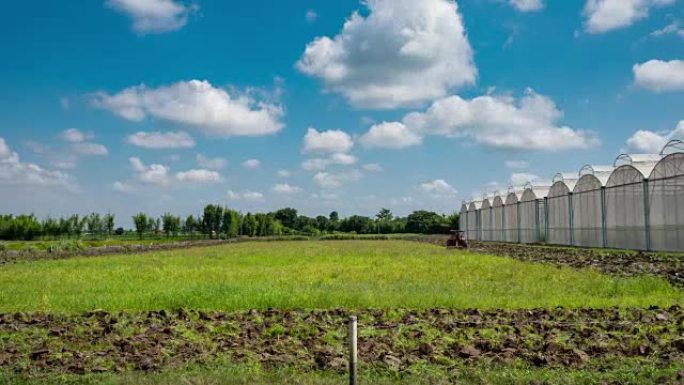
column 140, row 221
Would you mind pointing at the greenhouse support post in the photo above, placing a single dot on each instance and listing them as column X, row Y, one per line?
column 517, row 209
column 604, row 227
column 503, row 223
column 571, row 220
column 647, row 216
column 546, row 219
column 537, row 220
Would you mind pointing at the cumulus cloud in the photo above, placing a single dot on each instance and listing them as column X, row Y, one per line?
column 90, row 148
column 284, row 173
column 319, row 164
column 390, row 135
column 211, row 163
column 74, row 135
column 327, row 142
column 501, row 122
column 123, row 187
column 198, row 176
column 251, row 163
column 161, row 140
column 660, row 76
column 527, row 5
column 372, row 167
column 517, row 164
column 245, row 195
column 438, row 189
column 14, row 172
column 80, row 144
column 160, row 175
column 674, row 28
column 405, row 52
column 607, row 15
column 154, row 16
column 522, row 178
column 196, row 104
column 650, row 142
column 333, row 180
column 285, row 189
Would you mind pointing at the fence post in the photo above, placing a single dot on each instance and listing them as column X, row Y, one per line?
column 518, row 215
column 352, row 350
column 537, row 220
column 546, row 219
column 503, row 222
column 604, row 224
column 571, row 221
column 647, row 215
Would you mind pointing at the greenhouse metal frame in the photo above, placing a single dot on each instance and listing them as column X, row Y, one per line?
column 635, row 203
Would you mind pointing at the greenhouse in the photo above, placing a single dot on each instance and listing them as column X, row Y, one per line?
column 588, row 201
column 636, row 203
column 486, row 219
column 532, row 218
column 559, row 210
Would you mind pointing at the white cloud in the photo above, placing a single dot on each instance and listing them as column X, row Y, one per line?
column 674, row 28
column 320, row 164
column 154, row 16
column 90, row 148
column 522, row 178
column 123, row 187
column 405, row 52
column 527, row 5
column 154, row 174
column 251, row 163
column 650, row 142
column 285, row 189
column 245, row 195
column 333, row 180
column 198, row 176
column 284, row 173
column 327, row 142
column 438, row 189
column 606, row 15
column 79, row 144
column 517, row 164
column 197, row 104
column 311, row 16
column 500, row 122
column 74, row 135
column 372, row 167
column 660, row 76
column 390, row 135
column 161, row 140
column 212, row 164
column 160, row 175
column 65, row 103
column 14, row 172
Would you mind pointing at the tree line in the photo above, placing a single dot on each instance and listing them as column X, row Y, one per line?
column 217, row 221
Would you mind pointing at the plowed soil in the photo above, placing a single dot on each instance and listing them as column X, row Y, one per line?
column 315, row 340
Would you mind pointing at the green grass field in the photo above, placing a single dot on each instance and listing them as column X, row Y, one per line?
column 352, row 274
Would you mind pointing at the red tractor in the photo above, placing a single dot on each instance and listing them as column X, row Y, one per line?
column 457, row 240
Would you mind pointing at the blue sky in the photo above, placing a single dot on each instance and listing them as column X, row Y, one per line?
column 163, row 105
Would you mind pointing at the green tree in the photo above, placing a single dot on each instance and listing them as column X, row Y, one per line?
column 230, row 225
column 287, row 217
column 108, row 220
column 170, row 224
column 140, row 221
column 250, row 226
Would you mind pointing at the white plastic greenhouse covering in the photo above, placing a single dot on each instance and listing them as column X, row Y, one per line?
column 486, row 220
column 638, row 203
column 666, row 200
column 532, row 227
column 472, row 232
column 463, row 217
column 587, row 206
column 498, row 215
column 511, row 224
column 626, row 202
column 559, row 211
